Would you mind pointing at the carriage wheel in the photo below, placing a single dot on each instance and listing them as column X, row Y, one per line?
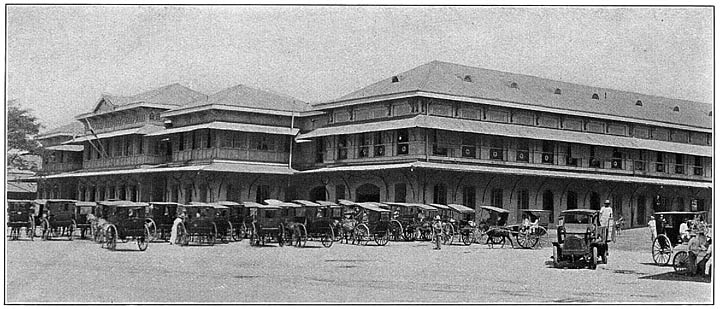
column 329, row 237
column 144, row 240
column 111, row 237
column 362, row 234
column 681, row 262
column 661, row 250
column 593, row 258
column 523, row 238
column 281, row 235
column 303, row 236
column 152, row 227
column 212, row 237
column 382, row 238
column 183, row 234
column 396, row 230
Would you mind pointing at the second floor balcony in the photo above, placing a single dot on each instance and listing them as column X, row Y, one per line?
column 223, row 153
column 124, row 161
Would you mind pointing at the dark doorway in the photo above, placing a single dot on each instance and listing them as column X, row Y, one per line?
column 594, row 201
column 367, row 193
column 318, row 194
column 549, row 203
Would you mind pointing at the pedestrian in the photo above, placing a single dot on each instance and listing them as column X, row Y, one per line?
column 606, row 215
column 708, row 257
column 684, row 231
column 437, row 230
column 694, row 248
column 653, row 228
column 174, row 229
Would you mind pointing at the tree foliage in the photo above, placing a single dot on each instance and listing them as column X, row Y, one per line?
column 21, row 127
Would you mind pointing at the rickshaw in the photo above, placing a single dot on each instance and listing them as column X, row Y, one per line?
column 531, row 228
column 266, row 224
column 56, row 218
column 317, row 224
column 461, row 224
column 668, row 234
column 579, row 240
column 82, row 222
column 373, row 223
column 493, row 223
column 407, row 220
column 236, row 217
column 126, row 222
column 222, row 221
column 20, row 215
column 198, row 224
column 161, row 216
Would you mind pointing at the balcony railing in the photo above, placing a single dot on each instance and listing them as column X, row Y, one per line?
column 52, row 167
column 230, row 154
column 123, row 161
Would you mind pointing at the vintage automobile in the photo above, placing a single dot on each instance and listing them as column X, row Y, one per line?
column 198, row 224
column 578, row 239
column 56, row 218
column 668, row 234
column 20, row 215
column 528, row 233
column 82, row 222
column 373, row 222
column 493, row 224
column 161, row 216
column 126, row 222
column 266, row 224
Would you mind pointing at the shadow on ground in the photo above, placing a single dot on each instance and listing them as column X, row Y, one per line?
column 673, row 276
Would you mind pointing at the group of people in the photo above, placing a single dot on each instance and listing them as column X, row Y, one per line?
column 693, row 232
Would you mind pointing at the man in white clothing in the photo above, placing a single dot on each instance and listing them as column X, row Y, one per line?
column 174, row 229
column 605, row 216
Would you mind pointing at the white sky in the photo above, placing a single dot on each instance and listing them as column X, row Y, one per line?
column 61, row 58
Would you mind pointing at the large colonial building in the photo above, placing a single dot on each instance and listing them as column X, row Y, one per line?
column 439, row 133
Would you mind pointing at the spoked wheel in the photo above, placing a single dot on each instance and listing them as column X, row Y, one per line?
column 111, row 237
column 212, row 237
column 593, row 258
column 523, row 238
column 183, row 234
column 382, row 238
column 362, row 234
column 681, row 262
column 661, row 250
column 328, row 238
column 396, row 230
column 144, row 240
column 152, row 227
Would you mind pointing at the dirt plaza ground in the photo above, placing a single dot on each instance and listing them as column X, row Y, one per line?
column 80, row 271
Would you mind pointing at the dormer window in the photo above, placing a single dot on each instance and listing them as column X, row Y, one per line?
column 676, row 109
column 467, row 78
column 638, row 103
column 558, row 91
column 514, row 85
column 595, row 96
column 395, row 79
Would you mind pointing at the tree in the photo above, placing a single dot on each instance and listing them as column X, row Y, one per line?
column 21, row 127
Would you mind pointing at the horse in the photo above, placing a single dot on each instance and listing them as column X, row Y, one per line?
column 496, row 236
column 346, row 229
column 97, row 226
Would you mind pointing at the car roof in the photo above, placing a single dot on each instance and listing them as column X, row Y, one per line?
column 495, row 209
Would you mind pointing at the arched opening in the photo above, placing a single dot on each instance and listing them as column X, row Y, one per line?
column 367, row 193
column 594, row 200
column 641, row 219
column 549, row 203
column 318, row 194
column 571, row 200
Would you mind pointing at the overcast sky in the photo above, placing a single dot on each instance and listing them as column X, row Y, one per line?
column 60, row 59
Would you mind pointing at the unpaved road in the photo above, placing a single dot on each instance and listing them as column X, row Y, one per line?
column 402, row 272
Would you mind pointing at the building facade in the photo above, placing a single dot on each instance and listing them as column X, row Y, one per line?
column 439, row 133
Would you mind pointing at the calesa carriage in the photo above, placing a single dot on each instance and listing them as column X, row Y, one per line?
column 266, row 224
column 82, row 222
column 198, row 224
column 373, row 222
column 312, row 221
column 222, row 222
column 579, row 240
column 56, row 218
column 408, row 220
column 460, row 225
column 665, row 245
column 161, row 216
column 493, row 224
column 21, row 216
column 532, row 227
column 237, row 215
column 125, row 222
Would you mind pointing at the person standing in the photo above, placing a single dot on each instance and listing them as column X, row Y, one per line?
column 174, row 229
column 605, row 216
column 695, row 246
column 653, row 228
column 437, row 231
column 708, row 257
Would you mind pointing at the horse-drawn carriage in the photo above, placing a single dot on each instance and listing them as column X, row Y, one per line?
column 20, row 215
column 460, row 224
column 266, row 224
column 161, row 216
column 532, row 227
column 579, row 239
column 222, row 221
column 493, row 223
column 373, row 222
column 198, row 224
column 665, row 245
column 237, row 216
column 56, row 218
column 125, row 222
column 82, row 222
column 314, row 221
column 410, row 220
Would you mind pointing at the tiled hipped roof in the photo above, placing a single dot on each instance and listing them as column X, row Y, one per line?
column 459, row 80
column 244, row 96
column 71, row 129
column 174, row 94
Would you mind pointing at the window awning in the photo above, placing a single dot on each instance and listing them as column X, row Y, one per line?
column 512, row 130
column 230, row 126
column 66, row 148
column 144, row 130
column 215, row 166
